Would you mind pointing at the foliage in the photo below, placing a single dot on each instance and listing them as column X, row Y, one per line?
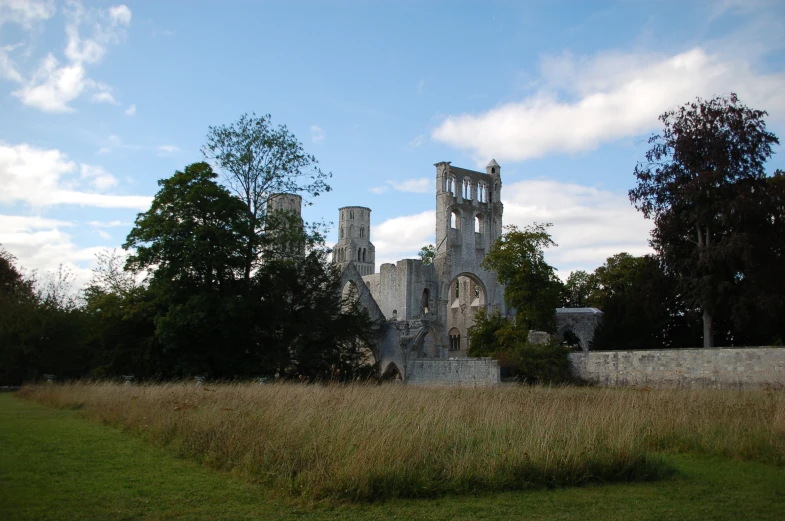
column 531, row 285
column 641, row 306
column 713, row 207
column 577, row 290
column 41, row 327
column 260, row 161
column 494, row 336
column 427, row 253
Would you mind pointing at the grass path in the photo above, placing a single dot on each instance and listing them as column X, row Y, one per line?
column 56, row 465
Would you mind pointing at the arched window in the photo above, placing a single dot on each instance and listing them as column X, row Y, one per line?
column 351, row 231
column 426, row 301
column 467, row 189
column 478, row 224
column 341, row 232
column 351, row 214
column 455, row 339
column 455, row 219
column 359, row 253
column 362, row 232
column 481, row 192
column 363, row 254
column 451, row 185
column 457, row 288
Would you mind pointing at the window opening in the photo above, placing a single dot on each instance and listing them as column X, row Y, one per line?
column 478, row 224
column 457, row 288
column 467, row 189
column 359, row 253
column 363, row 254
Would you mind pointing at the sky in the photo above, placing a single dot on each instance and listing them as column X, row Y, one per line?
column 100, row 100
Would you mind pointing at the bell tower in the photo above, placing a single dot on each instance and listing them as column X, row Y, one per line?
column 354, row 240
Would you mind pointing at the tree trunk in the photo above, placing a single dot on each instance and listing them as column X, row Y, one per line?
column 708, row 335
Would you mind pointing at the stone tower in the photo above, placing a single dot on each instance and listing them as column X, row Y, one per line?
column 468, row 222
column 289, row 208
column 354, row 240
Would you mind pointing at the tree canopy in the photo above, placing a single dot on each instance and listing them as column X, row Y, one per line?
column 531, row 285
column 258, row 162
column 714, row 209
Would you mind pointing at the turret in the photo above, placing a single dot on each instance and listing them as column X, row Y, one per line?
column 354, row 239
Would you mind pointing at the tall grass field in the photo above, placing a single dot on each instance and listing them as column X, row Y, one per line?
column 366, row 442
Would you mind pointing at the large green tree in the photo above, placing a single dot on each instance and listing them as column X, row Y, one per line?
column 641, row 305
column 192, row 241
column 258, row 161
column 704, row 184
column 531, row 285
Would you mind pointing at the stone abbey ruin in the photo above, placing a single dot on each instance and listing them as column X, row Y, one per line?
column 430, row 308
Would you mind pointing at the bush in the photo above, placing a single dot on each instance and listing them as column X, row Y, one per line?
column 507, row 342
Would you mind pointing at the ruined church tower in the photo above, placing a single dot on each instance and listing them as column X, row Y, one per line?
column 354, row 240
column 468, row 222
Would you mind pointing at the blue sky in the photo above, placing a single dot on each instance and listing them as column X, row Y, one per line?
column 99, row 100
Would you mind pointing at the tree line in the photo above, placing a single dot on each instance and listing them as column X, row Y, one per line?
column 715, row 277
column 215, row 283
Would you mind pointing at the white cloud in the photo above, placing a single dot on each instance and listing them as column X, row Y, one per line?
column 416, row 142
column 589, row 224
column 104, row 150
column 590, row 101
column 41, row 177
column 54, row 85
column 378, row 189
column 40, row 244
column 120, row 15
column 8, row 68
column 107, row 224
column 104, row 235
column 168, row 149
column 131, row 110
column 103, row 97
column 98, row 176
column 317, row 134
column 402, row 237
column 419, row 186
column 26, row 12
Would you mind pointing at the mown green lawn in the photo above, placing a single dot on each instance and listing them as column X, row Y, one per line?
column 56, row 465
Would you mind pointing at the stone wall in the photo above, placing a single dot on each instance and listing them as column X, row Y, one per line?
column 709, row 368
column 454, row 371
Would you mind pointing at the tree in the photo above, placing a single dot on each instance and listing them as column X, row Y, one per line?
column 18, row 306
column 578, row 289
column 641, row 306
column 260, row 161
column 704, row 185
column 531, row 285
column 427, row 253
column 193, row 242
column 303, row 328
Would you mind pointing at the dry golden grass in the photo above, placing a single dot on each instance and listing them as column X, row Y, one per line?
column 368, row 441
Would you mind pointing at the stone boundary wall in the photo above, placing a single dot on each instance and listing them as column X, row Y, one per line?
column 696, row 368
column 467, row 372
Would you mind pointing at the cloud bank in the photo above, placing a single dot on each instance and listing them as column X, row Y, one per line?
column 587, row 102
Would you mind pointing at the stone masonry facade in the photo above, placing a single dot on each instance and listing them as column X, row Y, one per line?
column 430, row 308
column 671, row 368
